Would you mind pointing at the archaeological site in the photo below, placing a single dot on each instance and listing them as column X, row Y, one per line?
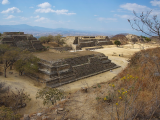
column 56, row 69
column 78, row 42
column 21, row 40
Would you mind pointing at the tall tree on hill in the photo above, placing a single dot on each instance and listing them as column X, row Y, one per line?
column 26, row 63
column 43, row 39
column 58, row 39
column 10, row 57
column 145, row 24
column 3, row 49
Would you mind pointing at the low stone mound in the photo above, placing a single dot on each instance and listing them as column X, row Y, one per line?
column 58, row 70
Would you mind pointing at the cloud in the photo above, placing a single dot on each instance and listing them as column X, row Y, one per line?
column 155, row 3
column 24, row 18
column 95, row 15
column 5, row 2
column 140, row 8
column 44, row 5
column 125, row 16
column 41, row 19
column 46, row 8
column 10, row 17
column 12, row 10
column 37, row 16
column 31, row 7
column 135, row 7
column 106, row 19
column 49, row 10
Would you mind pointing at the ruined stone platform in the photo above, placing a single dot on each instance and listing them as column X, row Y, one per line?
column 57, row 69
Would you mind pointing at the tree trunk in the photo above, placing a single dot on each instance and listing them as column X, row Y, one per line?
column 5, row 73
column 11, row 67
column 20, row 73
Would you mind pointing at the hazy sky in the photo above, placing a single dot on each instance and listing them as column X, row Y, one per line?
column 95, row 15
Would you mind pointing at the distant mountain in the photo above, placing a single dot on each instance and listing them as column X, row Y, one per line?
column 42, row 31
column 123, row 34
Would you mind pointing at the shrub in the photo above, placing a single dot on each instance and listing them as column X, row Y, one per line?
column 147, row 39
column 117, row 43
column 49, row 95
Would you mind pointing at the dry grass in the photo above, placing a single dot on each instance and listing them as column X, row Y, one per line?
column 54, row 56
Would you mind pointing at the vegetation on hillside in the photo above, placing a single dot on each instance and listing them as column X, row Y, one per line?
column 57, row 39
column 146, row 38
column 136, row 95
column 11, row 102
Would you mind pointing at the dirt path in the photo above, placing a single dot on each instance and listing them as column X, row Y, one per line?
column 29, row 86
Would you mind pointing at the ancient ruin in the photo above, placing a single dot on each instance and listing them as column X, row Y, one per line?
column 58, row 69
column 21, row 40
column 137, row 38
column 79, row 42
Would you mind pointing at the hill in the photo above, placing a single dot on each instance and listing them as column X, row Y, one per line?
column 121, row 38
column 42, row 31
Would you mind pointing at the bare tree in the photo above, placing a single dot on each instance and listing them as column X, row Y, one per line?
column 146, row 24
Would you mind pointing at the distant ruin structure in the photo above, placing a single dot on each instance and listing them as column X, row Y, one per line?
column 21, row 40
column 87, row 41
column 72, row 67
column 139, row 39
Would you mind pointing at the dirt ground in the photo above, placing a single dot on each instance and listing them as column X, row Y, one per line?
column 31, row 87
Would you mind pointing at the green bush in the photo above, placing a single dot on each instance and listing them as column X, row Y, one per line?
column 117, row 42
column 147, row 39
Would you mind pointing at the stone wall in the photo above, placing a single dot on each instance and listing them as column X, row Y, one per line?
column 104, row 43
column 71, row 69
column 21, row 40
column 87, row 41
column 13, row 33
column 78, row 60
column 62, row 48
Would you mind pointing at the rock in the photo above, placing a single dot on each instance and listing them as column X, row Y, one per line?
column 10, row 72
column 56, row 111
column 26, row 117
column 63, row 100
column 45, row 117
column 60, row 109
column 39, row 114
column 94, row 86
column 84, row 89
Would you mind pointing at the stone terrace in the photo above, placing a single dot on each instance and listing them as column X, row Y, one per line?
column 61, row 68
